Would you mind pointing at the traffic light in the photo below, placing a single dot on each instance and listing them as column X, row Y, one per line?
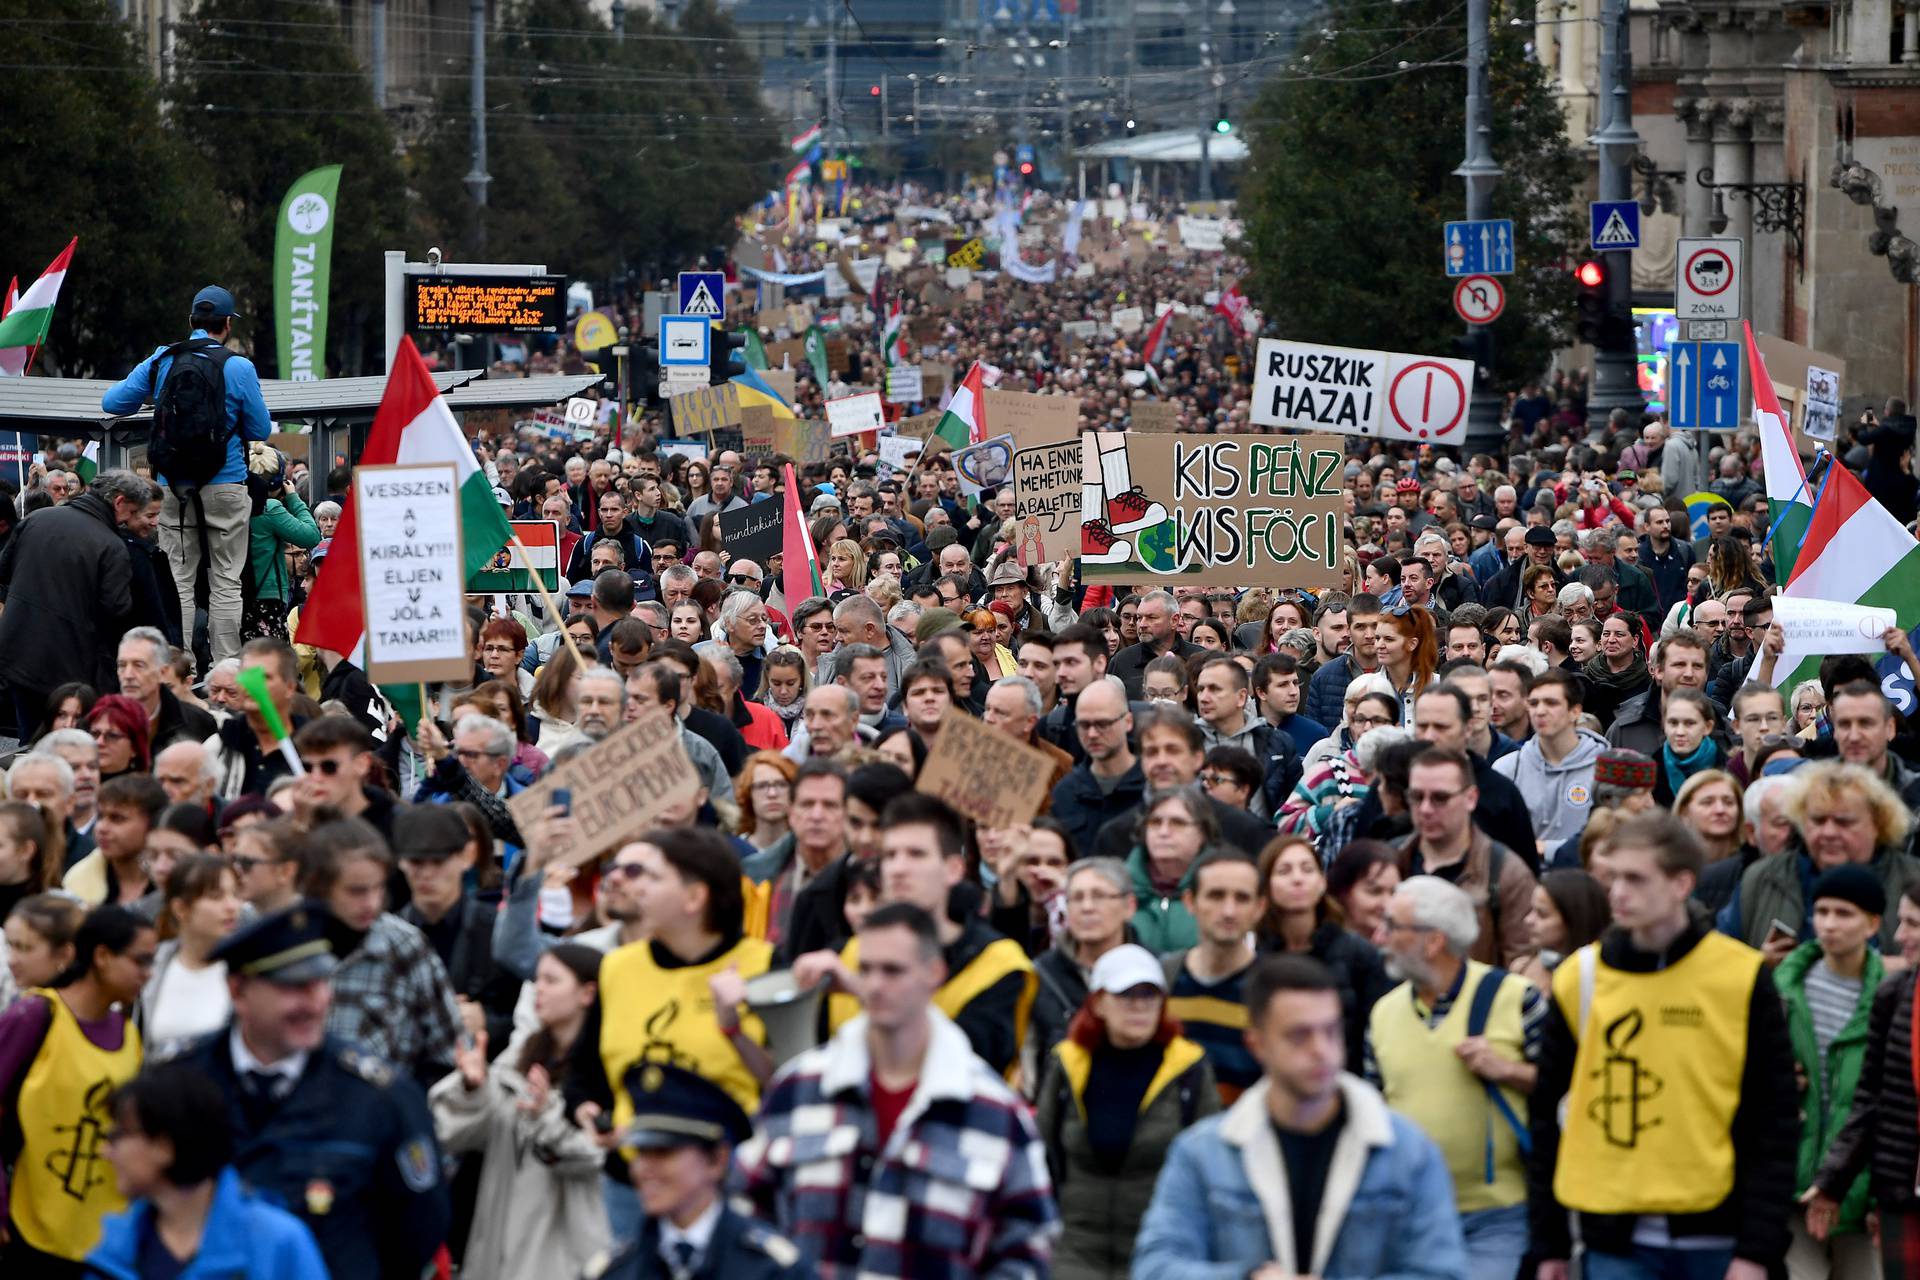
column 603, row 362
column 1590, row 301
column 873, row 91
column 726, row 359
column 646, row 374
column 1223, row 125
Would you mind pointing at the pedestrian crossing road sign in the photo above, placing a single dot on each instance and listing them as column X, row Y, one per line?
column 1704, row 386
column 1483, row 248
column 1615, row 224
column 703, row 293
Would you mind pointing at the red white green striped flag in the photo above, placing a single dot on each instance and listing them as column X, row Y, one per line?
column 965, row 419
column 799, row 563
column 413, row 424
column 23, row 328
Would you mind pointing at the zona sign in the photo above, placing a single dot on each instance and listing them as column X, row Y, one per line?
column 1427, row 398
column 1479, row 299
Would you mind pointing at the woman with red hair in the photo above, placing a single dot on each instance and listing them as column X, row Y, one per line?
column 1404, row 646
column 1115, row 1094
column 119, row 728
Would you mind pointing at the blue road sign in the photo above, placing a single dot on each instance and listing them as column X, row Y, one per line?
column 1704, row 394
column 1613, row 224
column 685, row 340
column 1482, row 248
column 703, row 293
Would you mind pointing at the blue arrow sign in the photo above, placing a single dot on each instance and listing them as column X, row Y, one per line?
column 1703, row 382
column 1613, row 224
column 1482, row 248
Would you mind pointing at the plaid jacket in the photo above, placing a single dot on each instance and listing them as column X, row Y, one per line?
column 961, row 1189
column 392, row 998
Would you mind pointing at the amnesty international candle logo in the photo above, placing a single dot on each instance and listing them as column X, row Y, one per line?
column 78, row 1162
column 1625, row 1086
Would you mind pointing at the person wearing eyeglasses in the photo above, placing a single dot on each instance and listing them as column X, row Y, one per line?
column 120, row 731
column 62, row 1053
column 1116, row 1092
column 1446, row 842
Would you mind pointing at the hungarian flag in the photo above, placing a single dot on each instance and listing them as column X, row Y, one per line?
column 24, row 325
column 893, row 338
column 87, row 466
column 803, row 140
column 1156, row 346
column 799, row 565
column 965, row 418
column 413, row 424
column 1789, row 501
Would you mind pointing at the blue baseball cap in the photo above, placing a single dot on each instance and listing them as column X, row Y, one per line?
column 215, row 301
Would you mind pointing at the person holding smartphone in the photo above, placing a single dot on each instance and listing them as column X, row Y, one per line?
column 280, row 520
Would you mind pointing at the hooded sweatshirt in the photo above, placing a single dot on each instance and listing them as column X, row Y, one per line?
column 1559, row 796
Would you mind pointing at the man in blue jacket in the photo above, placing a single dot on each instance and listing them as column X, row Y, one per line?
column 1308, row 1173
column 215, row 514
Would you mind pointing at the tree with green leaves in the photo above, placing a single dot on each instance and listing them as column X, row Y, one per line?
column 608, row 156
column 267, row 90
column 1350, row 180
column 87, row 154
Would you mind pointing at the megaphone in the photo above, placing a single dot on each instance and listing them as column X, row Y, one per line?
column 790, row 1012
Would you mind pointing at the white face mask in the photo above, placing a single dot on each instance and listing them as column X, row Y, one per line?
column 556, row 907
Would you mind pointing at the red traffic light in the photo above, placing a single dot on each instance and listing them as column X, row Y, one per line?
column 873, row 91
column 1590, row 274
column 1026, row 167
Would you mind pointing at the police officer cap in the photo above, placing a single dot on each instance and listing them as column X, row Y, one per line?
column 289, row 947
column 215, row 302
column 428, row 831
column 674, row 1107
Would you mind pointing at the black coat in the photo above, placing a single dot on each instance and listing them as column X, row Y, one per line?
column 741, row 1249
column 66, row 582
column 155, row 602
column 179, row 722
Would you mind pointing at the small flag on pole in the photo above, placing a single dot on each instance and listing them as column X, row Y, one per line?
column 254, row 681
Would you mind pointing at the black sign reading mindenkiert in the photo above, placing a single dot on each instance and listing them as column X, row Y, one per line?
column 486, row 304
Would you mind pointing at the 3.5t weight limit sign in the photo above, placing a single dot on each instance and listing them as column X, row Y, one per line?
column 1479, row 299
column 1707, row 286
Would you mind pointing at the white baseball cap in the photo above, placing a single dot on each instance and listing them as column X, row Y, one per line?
column 1125, row 967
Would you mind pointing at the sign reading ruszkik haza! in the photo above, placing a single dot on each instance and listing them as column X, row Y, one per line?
column 1368, row 393
column 412, row 575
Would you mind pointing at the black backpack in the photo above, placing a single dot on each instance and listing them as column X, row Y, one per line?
column 188, row 445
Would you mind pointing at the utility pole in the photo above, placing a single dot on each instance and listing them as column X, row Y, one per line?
column 1481, row 172
column 377, row 39
column 477, row 178
column 884, row 91
column 833, row 79
column 619, row 16
column 1207, row 61
column 1616, row 382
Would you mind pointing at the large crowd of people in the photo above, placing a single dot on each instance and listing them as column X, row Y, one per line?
column 1499, row 914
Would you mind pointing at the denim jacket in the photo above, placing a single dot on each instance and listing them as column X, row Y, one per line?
column 1221, row 1206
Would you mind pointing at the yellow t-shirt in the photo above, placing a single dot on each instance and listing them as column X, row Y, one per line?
column 654, row 1014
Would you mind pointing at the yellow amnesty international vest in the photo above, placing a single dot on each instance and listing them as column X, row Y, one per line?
column 651, row 1014
column 62, row 1184
column 996, row 960
column 1426, row 1082
column 1656, row 1081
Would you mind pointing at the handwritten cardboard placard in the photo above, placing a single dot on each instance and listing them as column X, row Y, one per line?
column 850, row 415
column 756, row 428
column 702, row 409
column 985, row 774
column 620, row 787
column 1201, row 510
column 1154, row 415
column 1031, row 419
column 801, row 440
column 790, row 354
column 782, row 382
column 412, row 572
column 1046, row 487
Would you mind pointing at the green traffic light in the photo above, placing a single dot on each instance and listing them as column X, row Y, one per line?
column 1223, row 125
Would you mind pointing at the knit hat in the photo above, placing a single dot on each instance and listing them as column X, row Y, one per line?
column 932, row 622
column 1623, row 768
column 1851, row 882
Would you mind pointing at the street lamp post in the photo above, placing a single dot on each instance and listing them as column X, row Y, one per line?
column 1616, row 381
column 1481, row 172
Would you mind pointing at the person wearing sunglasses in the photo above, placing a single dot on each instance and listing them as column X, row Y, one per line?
column 1446, row 842
column 337, row 755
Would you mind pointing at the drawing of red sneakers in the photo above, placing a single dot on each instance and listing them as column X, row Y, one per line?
column 1099, row 546
column 1133, row 510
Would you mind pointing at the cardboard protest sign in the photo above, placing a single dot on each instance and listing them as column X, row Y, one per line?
column 1196, row 510
column 986, row 465
column 1128, row 320
column 801, row 440
column 1033, row 419
column 1370, row 393
column 753, row 532
column 412, row 573
column 1154, row 416
column 985, row 774
column 899, row 452
column 850, row 415
column 935, row 378
column 620, row 786
column 970, row 254
column 756, row 428
column 703, row 409
column 1046, row 497
column 1203, row 235
column 1831, row 626
column 782, row 382
column 904, row 383
column 790, row 354
column 918, row 425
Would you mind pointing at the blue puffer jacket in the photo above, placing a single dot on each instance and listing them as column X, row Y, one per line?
column 245, row 1239
column 1326, row 699
column 1221, row 1206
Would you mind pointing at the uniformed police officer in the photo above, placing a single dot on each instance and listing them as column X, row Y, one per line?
column 682, row 1137
column 333, row 1134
